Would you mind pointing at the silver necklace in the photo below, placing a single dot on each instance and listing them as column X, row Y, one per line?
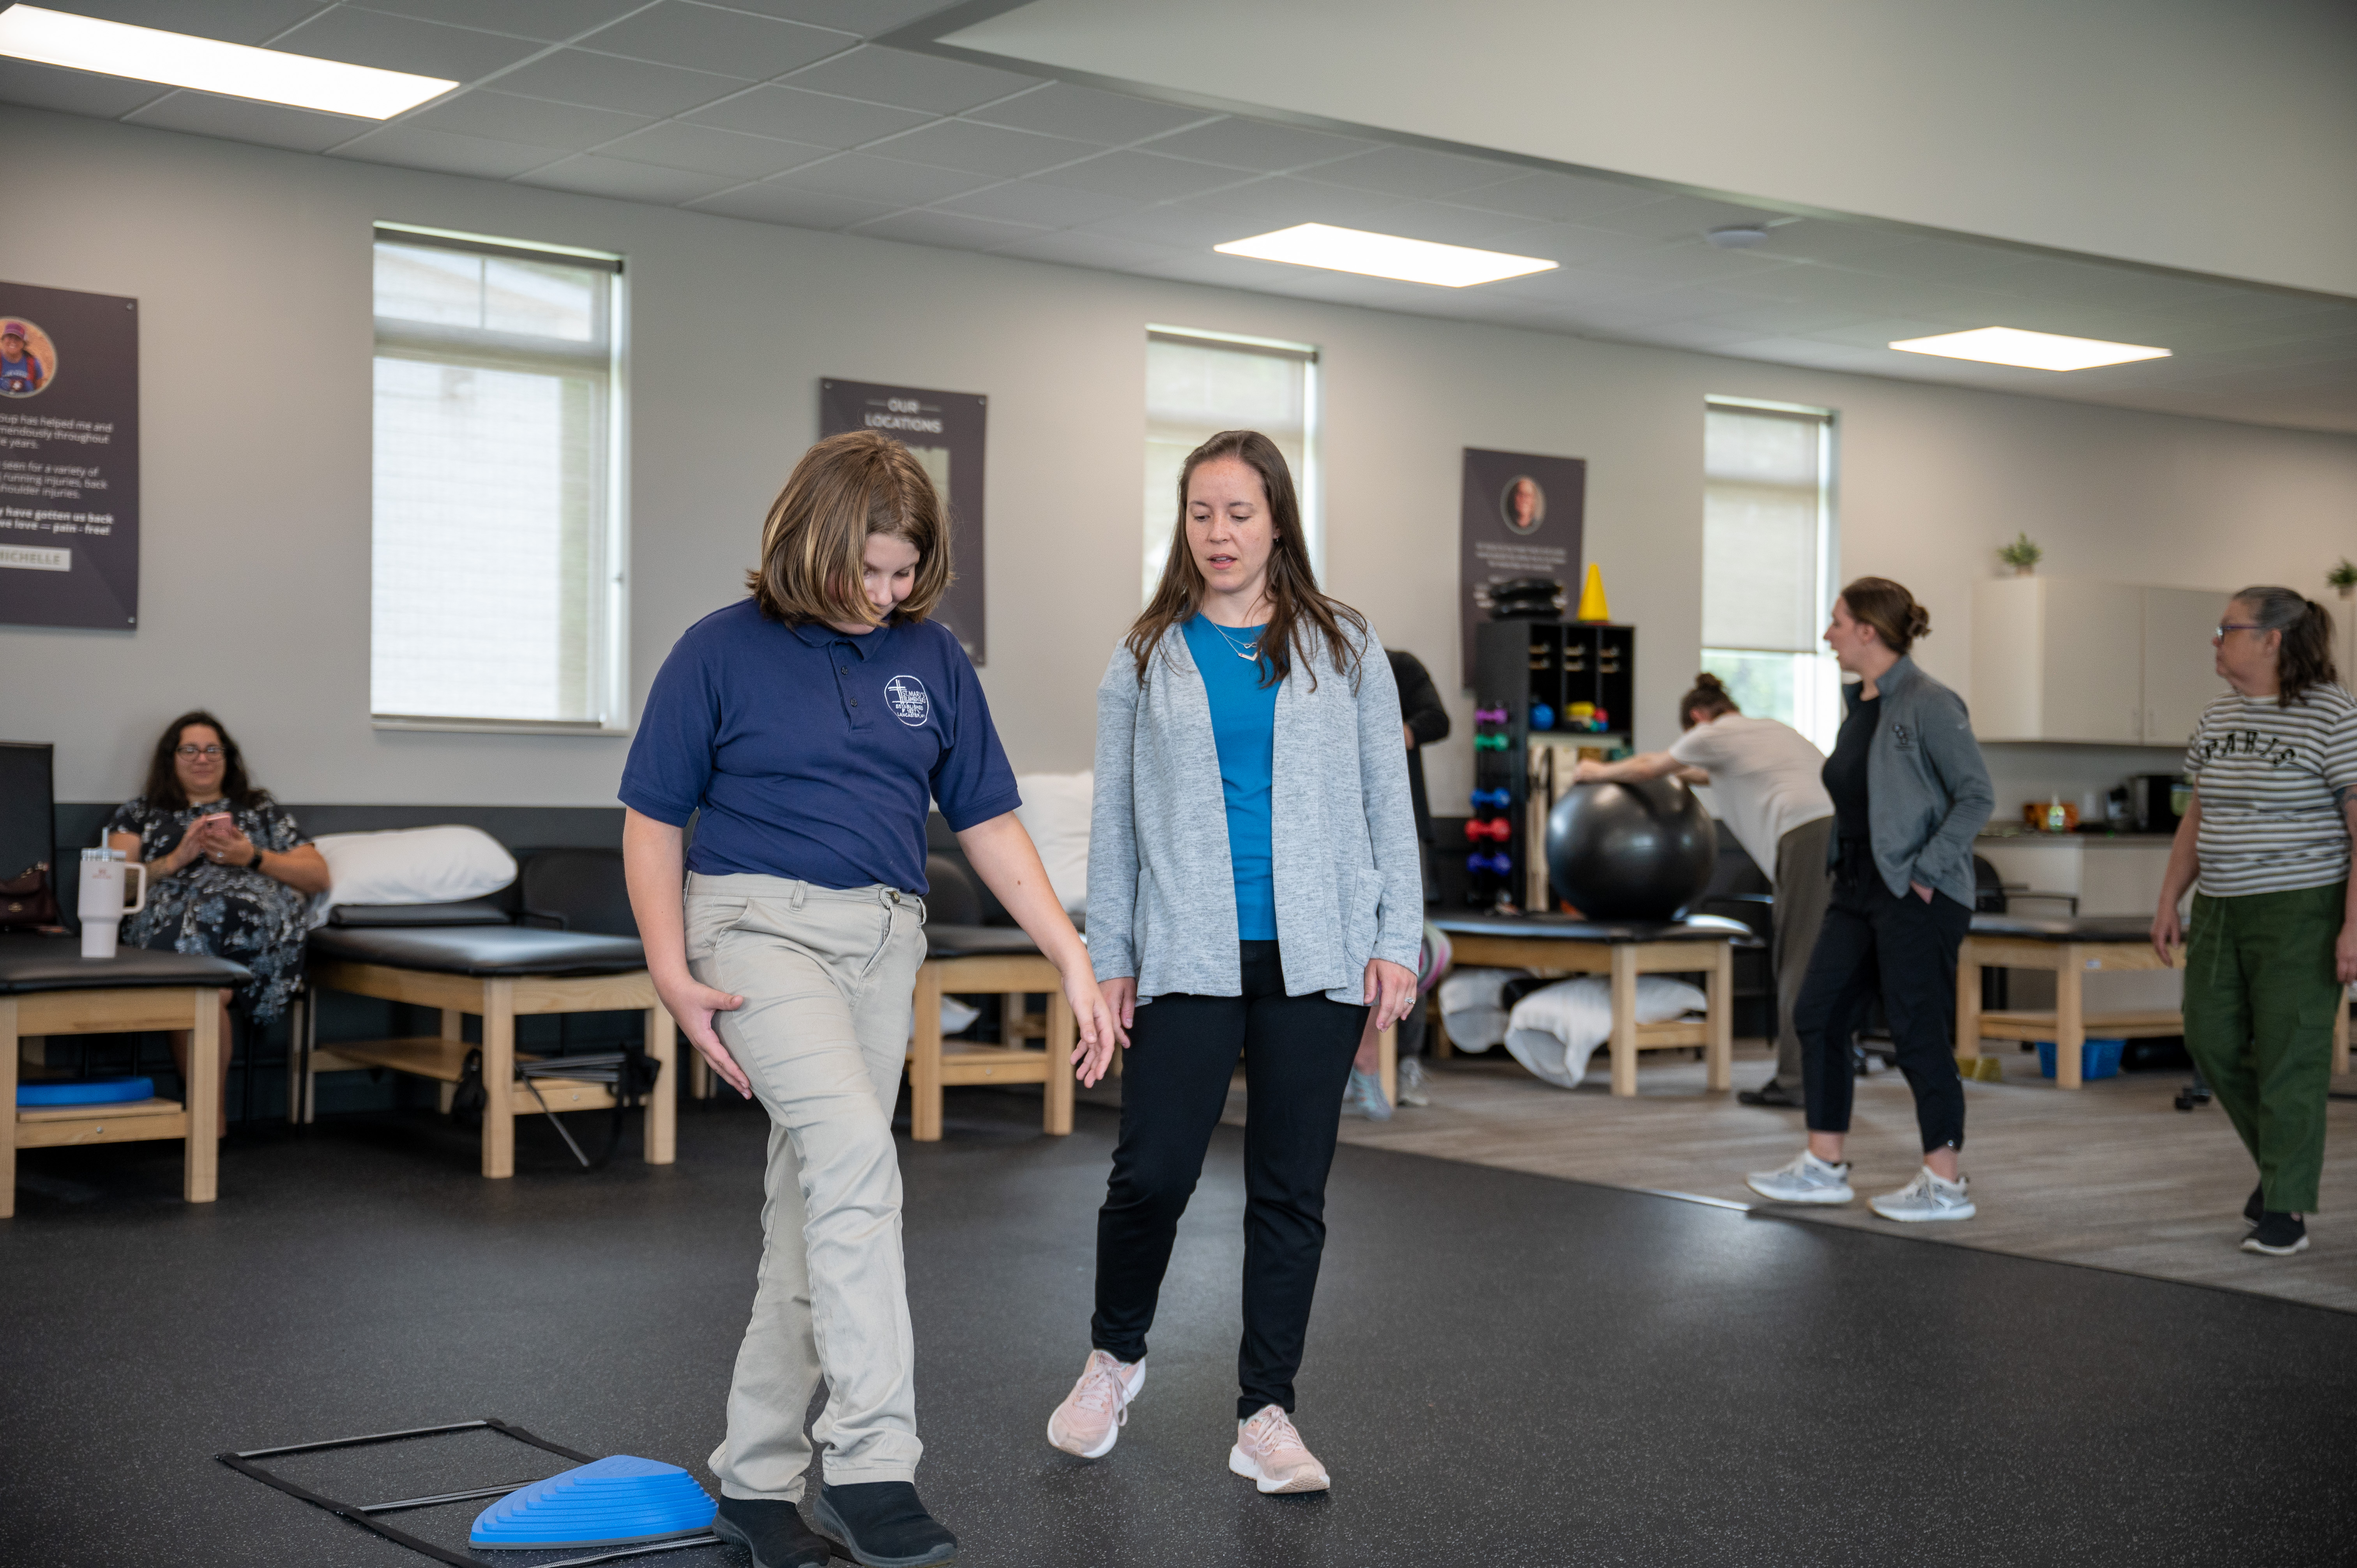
column 1250, row 649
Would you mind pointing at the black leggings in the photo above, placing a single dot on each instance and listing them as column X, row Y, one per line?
column 1297, row 1052
column 1904, row 950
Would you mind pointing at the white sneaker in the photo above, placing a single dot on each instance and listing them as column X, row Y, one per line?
column 1270, row 1451
column 1089, row 1420
column 1807, row 1179
column 1927, row 1197
column 1410, row 1083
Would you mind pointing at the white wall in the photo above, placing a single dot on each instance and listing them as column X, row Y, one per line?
column 255, row 496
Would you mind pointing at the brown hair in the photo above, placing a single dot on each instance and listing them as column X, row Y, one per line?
column 814, row 540
column 1889, row 609
column 2304, row 657
column 164, row 791
column 1297, row 609
column 1710, row 694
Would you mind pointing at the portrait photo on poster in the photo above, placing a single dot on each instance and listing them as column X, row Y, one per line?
column 68, row 459
column 943, row 431
column 1520, row 517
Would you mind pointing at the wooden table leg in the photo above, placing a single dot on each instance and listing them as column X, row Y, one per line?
column 1437, row 1045
column 701, row 1079
column 925, row 1059
column 2070, row 1015
column 663, row 1101
column 8, row 1107
column 1624, row 1020
column 499, row 1079
column 454, row 1027
column 1063, row 1033
column 1720, row 1072
column 2340, row 1032
column 1968, row 1002
column 200, row 1183
column 1387, row 1063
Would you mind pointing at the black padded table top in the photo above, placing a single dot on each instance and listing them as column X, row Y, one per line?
column 32, row 963
column 479, row 949
column 945, row 940
column 1565, row 929
column 467, row 912
column 2069, row 929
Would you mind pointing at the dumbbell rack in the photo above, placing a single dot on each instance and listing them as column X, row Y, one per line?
column 1526, row 671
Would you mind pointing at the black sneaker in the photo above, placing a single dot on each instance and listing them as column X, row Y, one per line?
column 772, row 1532
column 882, row 1525
column 2279, row 1235
column 1772, row 1093
column 2257, row 1206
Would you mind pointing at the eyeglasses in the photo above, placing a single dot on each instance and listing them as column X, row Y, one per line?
column 2218, row 633
column 196, row 751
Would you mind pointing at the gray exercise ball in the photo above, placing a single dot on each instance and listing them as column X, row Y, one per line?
column 1630, row 852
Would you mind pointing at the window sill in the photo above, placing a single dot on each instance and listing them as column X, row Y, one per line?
column 497, row 727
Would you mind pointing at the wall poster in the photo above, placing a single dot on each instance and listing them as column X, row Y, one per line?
column 1520, row 517
column 68, row 457
column 943, row 430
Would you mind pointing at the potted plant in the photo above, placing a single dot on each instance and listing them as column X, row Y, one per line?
column 2021, row 555
column 2344, row 578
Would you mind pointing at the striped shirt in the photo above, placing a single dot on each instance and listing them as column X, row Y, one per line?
column 2271, row 781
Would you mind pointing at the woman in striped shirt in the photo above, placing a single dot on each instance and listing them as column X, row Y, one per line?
column 2274, row 935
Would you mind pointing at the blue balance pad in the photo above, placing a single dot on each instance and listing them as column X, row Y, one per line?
column 608, row 1502
column 87, row 1091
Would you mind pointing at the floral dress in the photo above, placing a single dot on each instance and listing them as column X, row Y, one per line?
column 228, row 911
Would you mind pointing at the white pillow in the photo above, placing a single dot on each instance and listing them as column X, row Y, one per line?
column 1055, row 812
column 1555, row 1030
column 412, row 866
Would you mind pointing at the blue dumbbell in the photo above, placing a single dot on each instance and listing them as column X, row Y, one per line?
column 1498, row 798
column 1542, row 717
column 1501, row 864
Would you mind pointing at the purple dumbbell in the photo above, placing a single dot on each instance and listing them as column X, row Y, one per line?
column 1488, row 715
column 1503, row 864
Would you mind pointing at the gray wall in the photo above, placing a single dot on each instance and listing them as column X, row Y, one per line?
column 256, row 495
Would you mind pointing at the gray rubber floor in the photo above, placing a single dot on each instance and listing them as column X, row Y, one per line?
column 1503, row 1370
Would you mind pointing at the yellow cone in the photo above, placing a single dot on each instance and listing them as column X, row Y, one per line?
column 1591, row 596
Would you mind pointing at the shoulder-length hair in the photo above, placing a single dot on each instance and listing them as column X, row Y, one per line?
column 164, row 791
column 1298, row 611
column 2305, row 656
column 816, row 537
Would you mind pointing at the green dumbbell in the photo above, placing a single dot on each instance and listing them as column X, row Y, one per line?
column 1491, row 742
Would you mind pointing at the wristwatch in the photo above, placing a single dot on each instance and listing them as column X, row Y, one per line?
column 255, row 863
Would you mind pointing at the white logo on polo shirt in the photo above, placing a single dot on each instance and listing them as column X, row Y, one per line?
column 906, row 695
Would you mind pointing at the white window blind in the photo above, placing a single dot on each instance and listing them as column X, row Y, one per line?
column 496, row 593
column 1768, row 562
column 1198, row 385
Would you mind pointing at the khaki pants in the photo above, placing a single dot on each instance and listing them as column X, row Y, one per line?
column 1805, row 886
column 827, row 976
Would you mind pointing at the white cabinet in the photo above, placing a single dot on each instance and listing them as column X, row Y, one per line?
column 2056, row 659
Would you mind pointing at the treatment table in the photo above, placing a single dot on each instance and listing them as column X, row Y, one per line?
column 47, row 987
column 969, row 958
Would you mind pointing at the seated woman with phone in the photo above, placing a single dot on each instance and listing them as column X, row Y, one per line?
column 227, row 872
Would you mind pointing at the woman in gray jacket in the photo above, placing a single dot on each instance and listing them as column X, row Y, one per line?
column 1909, row 792
column 1254, row 890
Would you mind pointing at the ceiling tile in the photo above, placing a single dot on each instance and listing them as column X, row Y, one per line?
column 627, row 181
column 863, row 177
column 244, row 120
column 1775, row 319
column 792, row 115
column 984, row 149
column 602, row 81
column 771, row 202
column 232, row 21
column 1030, row 201
column 1280, row 201
column 867, row 18
column 536, row 121
column 1248, row 143
column 73, row 92
column 1061, row 109
column 403, row 43
column 953, row 230
column 1864, row 245
column 1450, row 225
column 910, row 81
column 419, row 146
column 1558, row 198
column 674, row 144
column 1183, row 226
column 549, row 21
column 1071, row 248
column 1140, row 177
column 1678, row 217
column 1412, row 171
column 705, row 38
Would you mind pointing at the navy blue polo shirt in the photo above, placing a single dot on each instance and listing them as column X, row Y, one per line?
column 813, row 754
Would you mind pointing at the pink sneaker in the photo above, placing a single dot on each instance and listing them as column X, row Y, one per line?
column 1269, row 1451
column 1089, row 1420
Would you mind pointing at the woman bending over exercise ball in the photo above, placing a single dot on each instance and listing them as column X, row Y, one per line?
column 809, row 725
column 1909, row 792
column 1768, row 779
column 229, row 873
column 2274, row 936
column 1249, row 782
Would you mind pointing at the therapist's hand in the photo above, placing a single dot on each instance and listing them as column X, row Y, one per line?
column 1390, row 991
column 1920, row 891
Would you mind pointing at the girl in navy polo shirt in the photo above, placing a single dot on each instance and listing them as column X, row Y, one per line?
column 809, row 725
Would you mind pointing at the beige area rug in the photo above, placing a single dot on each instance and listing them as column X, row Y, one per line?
column 2111, row 1175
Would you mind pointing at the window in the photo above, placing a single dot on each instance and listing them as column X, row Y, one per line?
column 1200, row 383
column 496, row 570
column 1768, row 562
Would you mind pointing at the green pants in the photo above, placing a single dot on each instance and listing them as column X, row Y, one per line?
column 2260, row 996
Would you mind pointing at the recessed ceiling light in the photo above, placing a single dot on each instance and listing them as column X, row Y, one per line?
column 150, row 54
column 1737, row 236
column 1382, row 256
column 2033, row 351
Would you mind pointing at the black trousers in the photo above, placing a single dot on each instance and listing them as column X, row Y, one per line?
column 1182, row 1052
column 1874, row 942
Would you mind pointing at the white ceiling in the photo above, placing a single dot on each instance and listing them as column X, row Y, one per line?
column 779, row 111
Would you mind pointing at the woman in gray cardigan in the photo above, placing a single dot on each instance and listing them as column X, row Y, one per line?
column 1254, row 890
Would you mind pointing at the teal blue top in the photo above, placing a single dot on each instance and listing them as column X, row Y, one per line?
column 1243, row 727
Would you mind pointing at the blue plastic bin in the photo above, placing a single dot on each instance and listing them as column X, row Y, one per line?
column 87, row 1091
column 2097, row 1058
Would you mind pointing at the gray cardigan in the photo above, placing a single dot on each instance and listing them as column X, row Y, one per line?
column 1927, row 789
column 1162, row 894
